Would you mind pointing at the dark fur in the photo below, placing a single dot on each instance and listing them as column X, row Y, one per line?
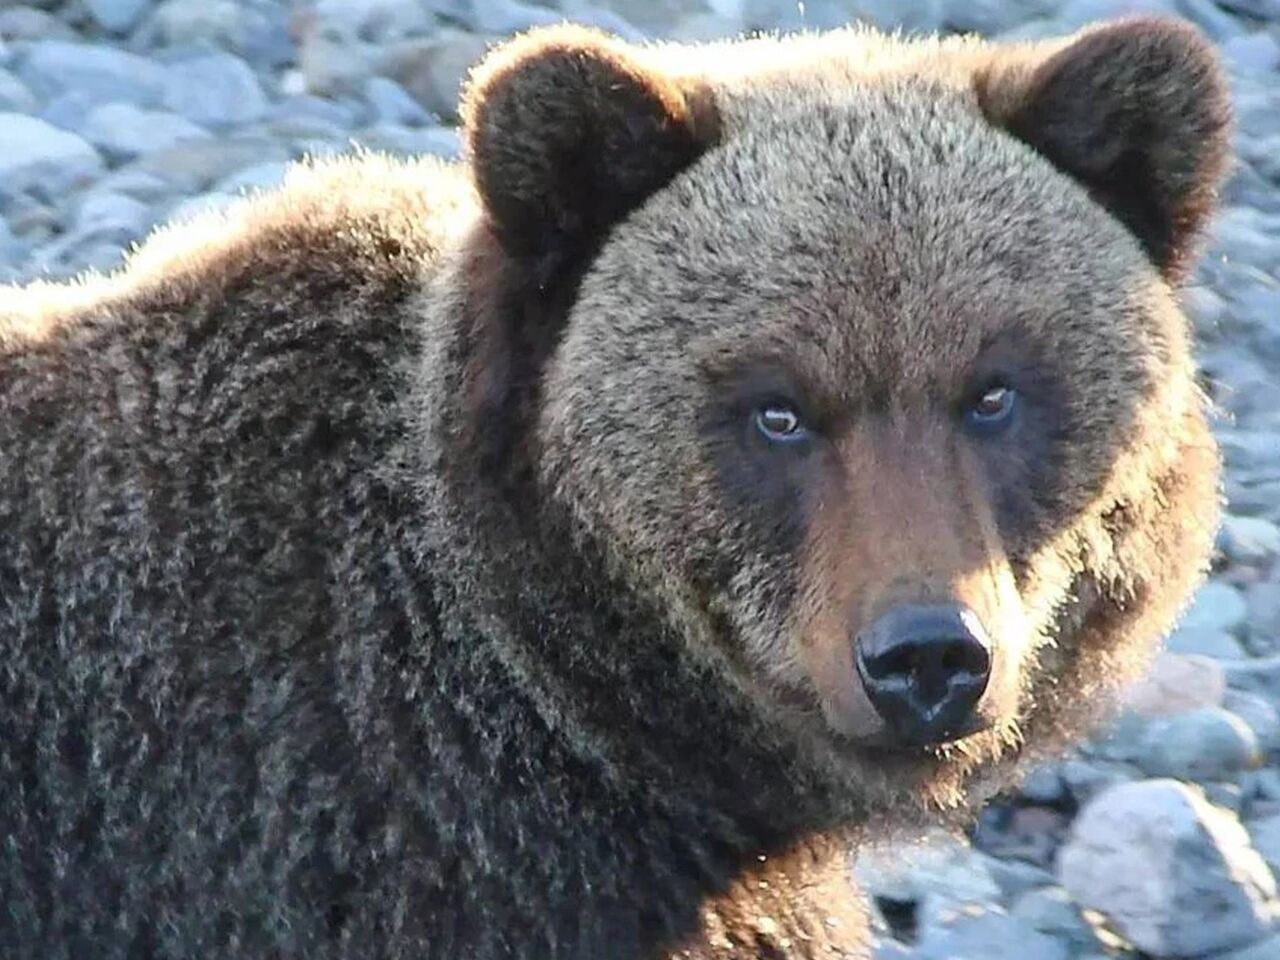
column 369, row 583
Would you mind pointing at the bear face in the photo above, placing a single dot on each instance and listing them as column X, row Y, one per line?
column 866, row 363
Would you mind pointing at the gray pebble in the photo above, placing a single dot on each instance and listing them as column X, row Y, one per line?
column 1266, row 840
column 101, row 73
column 14, row 96
column 1051, row 911
column 116, row 16
column 113, row 217
column 1259, row 713
column 1206, row 744
column 391, row 104
column 123, row 131
column 40, row 157
column 217, row 90
column 1249, row 540
column 1217, row 606
column 259, row 176
column 1205, row 643
column 1252, row 53
column 988, row 934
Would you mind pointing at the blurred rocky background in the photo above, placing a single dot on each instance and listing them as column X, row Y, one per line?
column 1161, row 839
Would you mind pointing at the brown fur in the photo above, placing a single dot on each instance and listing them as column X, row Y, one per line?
column 388, row 570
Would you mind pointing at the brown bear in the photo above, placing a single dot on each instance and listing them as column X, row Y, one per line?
column 565, row 554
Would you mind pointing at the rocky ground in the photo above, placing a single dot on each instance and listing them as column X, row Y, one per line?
column 1160, row 839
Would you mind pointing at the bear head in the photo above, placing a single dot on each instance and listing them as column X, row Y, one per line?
column 863, row 359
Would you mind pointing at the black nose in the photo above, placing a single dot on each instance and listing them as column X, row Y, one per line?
column 925, row 667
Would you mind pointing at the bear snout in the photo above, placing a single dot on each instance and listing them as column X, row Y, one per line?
column 925, row 667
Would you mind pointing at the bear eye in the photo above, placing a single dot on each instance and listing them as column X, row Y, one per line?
column 992, row 410
column 779, row 422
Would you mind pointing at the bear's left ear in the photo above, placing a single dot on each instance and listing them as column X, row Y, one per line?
column 567, row 132
column 1138, row 112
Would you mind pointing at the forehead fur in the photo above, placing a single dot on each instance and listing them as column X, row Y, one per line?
column 863, row 211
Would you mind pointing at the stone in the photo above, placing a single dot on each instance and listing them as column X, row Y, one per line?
column 1263, row 602
column 1211, row 18
column 1119, row 743
column 14, row 96
column 1249, row 540
column 1243, row 234
column 1263, row 154
column 1077, row 13
column 436, row 141
column 26, row 23
column 1217, row 606
column 656, row 17
column 1262, row 9
column 1028, row 834
column 259, row 176
column 116, row 16
column 113, row 217
column 197, row 206
column 1043, row 785
column 195, row 165
column 12, row 249
column 1266, row 840
column 329, row 65
column 138, row 184
column 1051, row 911
column 994, row 16
column 101, row 73
column 1014, row 877
column 252, row 32
column 1205, row 306
column 886, row 948
column 1259, row 713
column 1173, row 874
column 921, row 15
column 500, row 17
column 937, row 866
column 217, row 90
column 988, row 934
column 1260, row 675
column 1206, row 744
column 1252, row 53
column 1177, row 683
column 123, row 131
column 432, row 70
column 1217, row 644
column 1266, row 949
column 40, row 157
column 390, row 103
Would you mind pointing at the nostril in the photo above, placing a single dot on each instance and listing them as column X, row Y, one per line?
column 965, row 655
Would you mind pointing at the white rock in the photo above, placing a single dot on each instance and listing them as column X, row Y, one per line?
column 1175, row 875
column 101, row 73
column 116, row 16
column 106, row 214
column 1249, row 540
column 218, row 90
column 1209, row 744
column 124, row 131
column 1177, row 683
column 1217, row 606
column 1217, row 644
column 37, row 155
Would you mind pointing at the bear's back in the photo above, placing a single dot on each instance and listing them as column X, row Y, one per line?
column 178, row 580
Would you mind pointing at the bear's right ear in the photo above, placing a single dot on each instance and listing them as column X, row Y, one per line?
column 1137, row 111
column 567, row 133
